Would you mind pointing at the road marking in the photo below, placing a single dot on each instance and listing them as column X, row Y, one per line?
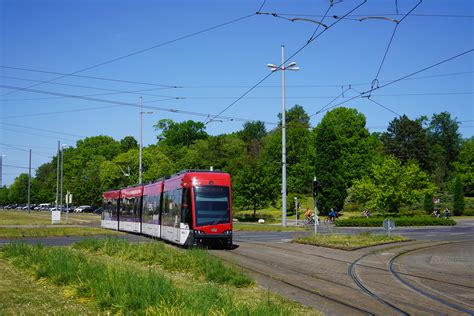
column 453, row 234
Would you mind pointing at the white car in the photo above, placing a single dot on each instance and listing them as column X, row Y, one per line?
column 81, row 208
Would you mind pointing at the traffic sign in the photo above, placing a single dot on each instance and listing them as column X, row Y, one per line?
column 389, row 225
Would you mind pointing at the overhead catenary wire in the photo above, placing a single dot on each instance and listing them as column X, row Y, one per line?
column 397, row 23
column 366, row 93
column 129, row 104
column 44, row 154
column 239, row 86
column 41, row 129
column 141, row 51
column 309, row 41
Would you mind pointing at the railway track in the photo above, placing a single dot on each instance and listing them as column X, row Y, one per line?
column 425, row 293
column 347, row 306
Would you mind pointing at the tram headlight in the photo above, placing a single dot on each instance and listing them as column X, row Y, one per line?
column 199, row 232
column 228, row 232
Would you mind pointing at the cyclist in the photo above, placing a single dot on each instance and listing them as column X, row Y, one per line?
column 308, row 215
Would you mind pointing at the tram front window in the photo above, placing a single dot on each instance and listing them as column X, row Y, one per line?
column 211, row 205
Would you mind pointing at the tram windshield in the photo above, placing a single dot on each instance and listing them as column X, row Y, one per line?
column 211, row 205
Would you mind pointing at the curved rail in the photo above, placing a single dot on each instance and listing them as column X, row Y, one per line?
column 354, row 277
column 420, row 291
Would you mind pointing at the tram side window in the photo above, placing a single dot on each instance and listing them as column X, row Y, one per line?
column 126, row 210
column 109, row 210
column 172, row 208
column 136, row 208
column 151, row 209
column 186, row 215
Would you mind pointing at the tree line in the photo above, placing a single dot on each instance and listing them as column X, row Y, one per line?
column 414, row 159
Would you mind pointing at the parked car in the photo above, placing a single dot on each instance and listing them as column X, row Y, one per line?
column 82, row 208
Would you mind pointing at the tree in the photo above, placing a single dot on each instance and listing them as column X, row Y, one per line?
column 254, row 130
column 180, row 134
column 406, row 139
column 344, row 152
column 458, row 198
column 127, row 143
column 445, row 142
column 253, row 187
column 428, row 203
column 392, row 184
column 4, row 198
column 18, row 191
column 464, row 166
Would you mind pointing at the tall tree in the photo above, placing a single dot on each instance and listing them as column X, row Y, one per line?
column 18, row 191
column 392, row 184
column 458, row 198
column 445, row 142
column 127, row 143
column 253, row 187
column 4, row 198
column 344, row 152
column 180, row 134
column 407, row 140
column 464, row 166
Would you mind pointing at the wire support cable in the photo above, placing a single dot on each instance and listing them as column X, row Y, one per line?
column 139, row 51
column 309, row 41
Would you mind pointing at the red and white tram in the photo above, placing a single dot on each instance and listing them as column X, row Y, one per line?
column 189, row 208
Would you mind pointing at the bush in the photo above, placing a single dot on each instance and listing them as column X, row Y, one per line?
column 468, row 213
column 244, row 217
column 399, row 221
column 458, row 198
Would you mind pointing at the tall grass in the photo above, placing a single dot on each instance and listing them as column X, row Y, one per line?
column 125, row 289
column 195, row 261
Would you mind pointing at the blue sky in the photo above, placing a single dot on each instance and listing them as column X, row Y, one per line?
column 214, row 68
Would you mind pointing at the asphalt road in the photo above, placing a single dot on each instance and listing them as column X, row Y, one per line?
column 464, row 230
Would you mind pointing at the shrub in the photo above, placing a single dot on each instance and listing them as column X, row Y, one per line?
column 399, row 221
column 468, row 213
column 458, row 199
column 244, row 217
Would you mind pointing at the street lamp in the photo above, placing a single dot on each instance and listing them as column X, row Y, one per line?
column 291, row 66
column 141, row 142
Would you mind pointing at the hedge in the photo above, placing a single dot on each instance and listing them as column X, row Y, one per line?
column 399, row 221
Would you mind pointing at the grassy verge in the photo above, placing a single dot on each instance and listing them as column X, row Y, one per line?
column 265, row 227
column 348, row 242
column 121, row 287
column 17, row 217
column 197, row 262
column 399, row 221
column 54, row 232
column 20, row 295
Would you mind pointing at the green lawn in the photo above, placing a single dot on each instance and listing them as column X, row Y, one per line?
column 130, row 286
column 15, row 232
column 17, row 217
column 21, row 295
column 348, row 242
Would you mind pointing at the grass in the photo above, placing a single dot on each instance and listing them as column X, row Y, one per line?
column 424, row 220
column 348, row 242
column 17, row 217
column 122, row 287
column 265, row 227
column 20, row 232
column 197, row 262
column 19, row 294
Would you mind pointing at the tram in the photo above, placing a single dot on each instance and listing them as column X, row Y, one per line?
column 190, row 208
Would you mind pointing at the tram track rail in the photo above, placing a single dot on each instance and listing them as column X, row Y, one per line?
column 422, row 292
column 293, row 285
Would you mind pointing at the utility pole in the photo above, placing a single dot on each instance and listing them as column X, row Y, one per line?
column 141, row 142
column 1, row 170
column 57, row 176
column 29, row 183
column 315, row 197
column 62, row 167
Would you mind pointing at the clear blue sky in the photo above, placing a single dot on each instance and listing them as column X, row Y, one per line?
column 214, row 68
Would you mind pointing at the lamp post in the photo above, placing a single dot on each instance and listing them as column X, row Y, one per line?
column 315, row 198
column 291, row 66
column 141, row 141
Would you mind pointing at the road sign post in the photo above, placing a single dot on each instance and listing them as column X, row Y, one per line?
column 68, row 202
column 389, row 225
